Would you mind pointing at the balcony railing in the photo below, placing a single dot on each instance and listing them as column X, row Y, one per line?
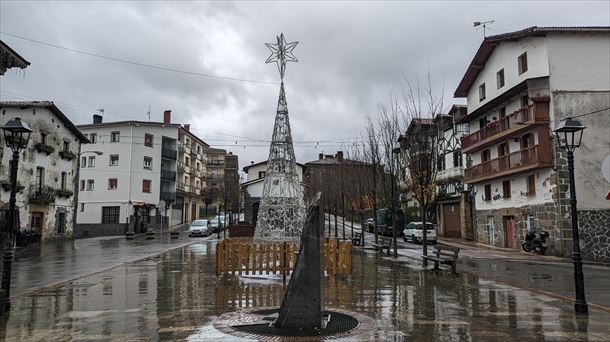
column 215, row 162
column 518, row 161
column 41, row 195
column 520, row 118
column 212, row 177
column 169, row 153
column 168, row 195
column 168, row 174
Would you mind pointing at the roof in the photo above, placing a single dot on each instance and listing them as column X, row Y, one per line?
column 335, row 161
column 489, row 44
column 263, row 162
column 127, row 122
column 193, row 136
column 51, row 106
column 419, row 121
column 10, row 59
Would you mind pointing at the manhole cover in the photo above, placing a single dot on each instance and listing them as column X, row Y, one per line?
column 256, row 324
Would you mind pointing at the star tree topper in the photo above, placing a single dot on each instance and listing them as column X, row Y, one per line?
column 281, row 53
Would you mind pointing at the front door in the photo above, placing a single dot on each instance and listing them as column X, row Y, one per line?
column 193, row 211
column 61, row 223
column 451, row 220
column 510, row 232
column 36, row 222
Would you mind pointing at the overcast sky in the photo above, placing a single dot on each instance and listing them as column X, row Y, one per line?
column 349, row 54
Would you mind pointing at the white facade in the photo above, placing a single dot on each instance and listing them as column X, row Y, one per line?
column 126, row 174
column 47, row 169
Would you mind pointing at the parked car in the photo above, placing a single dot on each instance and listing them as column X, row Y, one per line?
column 415, row 232
column 384, row 222
column 217, row 223
column 200, row 228
column 369, row 225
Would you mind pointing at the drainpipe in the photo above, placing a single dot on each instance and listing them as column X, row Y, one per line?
column 130, row 173
column 76, row 180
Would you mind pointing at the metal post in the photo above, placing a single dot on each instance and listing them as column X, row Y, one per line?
column 10, row 227
column 394, row 209
column 336, row 233
column 352, row 224
column 580, row 306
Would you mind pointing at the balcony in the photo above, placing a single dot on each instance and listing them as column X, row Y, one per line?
column 513, row 123
column 168, row 196
column 41, row 195
column 215, row 162
column 168, row 174
column 212, row 190
column 212, row 178
column 182, row 167
column 169, row 153
column 535, row 157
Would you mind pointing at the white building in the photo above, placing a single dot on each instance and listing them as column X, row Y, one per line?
column 253, row 188
column 122, row 188
column 47, row 169
column 519, row 85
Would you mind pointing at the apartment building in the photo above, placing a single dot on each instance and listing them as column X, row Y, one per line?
column 47, row 171
column 518, row 87
column 125, row 172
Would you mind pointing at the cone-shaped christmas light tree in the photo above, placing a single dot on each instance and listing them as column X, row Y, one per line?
column 281, row 211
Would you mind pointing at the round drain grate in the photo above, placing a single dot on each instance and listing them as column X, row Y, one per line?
column 257, row 324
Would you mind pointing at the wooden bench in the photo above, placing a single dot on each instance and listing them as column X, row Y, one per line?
column 357, row 239
column 444, row 255
column 383, row 243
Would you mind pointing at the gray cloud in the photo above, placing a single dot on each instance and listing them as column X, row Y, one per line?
column 349, row 52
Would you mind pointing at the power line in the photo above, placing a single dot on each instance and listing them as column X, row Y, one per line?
column 115, row 59
column 593, row 112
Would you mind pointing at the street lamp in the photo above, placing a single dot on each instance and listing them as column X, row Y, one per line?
column 395, row 153
column 16, row 136
column 569, row 136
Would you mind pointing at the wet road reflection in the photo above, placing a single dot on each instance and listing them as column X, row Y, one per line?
column 176, row 296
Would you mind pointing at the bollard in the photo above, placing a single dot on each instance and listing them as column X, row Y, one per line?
column 175, row 235
column 130, row 235
column 150, row 234
column 2, row 300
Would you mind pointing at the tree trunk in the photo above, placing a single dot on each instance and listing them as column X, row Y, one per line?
column 425, row 234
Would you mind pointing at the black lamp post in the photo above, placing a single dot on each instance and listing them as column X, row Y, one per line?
column 395, row 153
column 569, row 136
column 16, row 137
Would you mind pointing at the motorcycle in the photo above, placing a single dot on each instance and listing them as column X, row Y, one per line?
column 535, row 242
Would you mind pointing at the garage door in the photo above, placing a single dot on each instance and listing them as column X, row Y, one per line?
column 451, row 220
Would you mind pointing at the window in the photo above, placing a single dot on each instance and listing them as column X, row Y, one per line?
column 66, row 146
column 43, row 138
column 502, row 112
column 457, row 158
column 525, row 100
column 146, row 185
column 92, row 161
column 186, row 161
column 502, row 149
column 110, row 214
column 522, row 61
column 482, row 122
column 261, row 174
column 115, row 136
column 64, row 178
column 506, row 189
column 148, row 140
column 148, row 163
column 482, row 92
column 527, row 141
column 93, row 138
column 485, row 155
column 83, row 162
column 487, row 196
column 500, row 78
column 113, row 183
column 90, row 184
column 82, row 185
column 82, row 207
column 39, row 178
column 531, row 185
column 114, row 159
column 440, row 164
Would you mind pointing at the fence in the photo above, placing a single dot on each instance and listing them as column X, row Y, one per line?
column 243, row 256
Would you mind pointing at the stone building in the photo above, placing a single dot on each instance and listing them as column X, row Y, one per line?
column 10, row 59
column 518, row 86
column 47, row 173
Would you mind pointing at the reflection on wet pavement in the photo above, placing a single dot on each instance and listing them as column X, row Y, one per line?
column 176, row 296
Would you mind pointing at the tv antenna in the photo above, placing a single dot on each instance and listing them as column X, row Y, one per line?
column 484, row 24
column 101, row 111
column 148, row 113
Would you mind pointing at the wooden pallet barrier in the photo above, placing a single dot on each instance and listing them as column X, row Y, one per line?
column 243, row 256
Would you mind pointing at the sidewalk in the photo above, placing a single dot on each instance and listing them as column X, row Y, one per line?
column 547, row 275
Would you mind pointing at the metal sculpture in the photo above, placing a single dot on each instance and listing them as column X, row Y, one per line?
column 282, row 209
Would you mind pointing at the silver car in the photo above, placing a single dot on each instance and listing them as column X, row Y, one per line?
column 200, row 228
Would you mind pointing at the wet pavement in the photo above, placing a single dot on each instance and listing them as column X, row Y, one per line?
column 547, row 274
column 176, row 296
column 53, row 262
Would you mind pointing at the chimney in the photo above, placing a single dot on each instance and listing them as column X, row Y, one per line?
column 320, row 156
column 97, row 119
column 187, row 127
column 251, row 162
column 167, row 117
column 340, row 156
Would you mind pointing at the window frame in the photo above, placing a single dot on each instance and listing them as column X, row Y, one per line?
column 531, row 185
column 482, row 92
column 487, row 193
column 91, row 161
column 90, row 184
column 500, row 80
column 114, row 134
column 149, row 140
column 111, row 215
column 149, row 167
column 522, row 63
column 116, row 183
column 93, row 138
column 144, row 182
column 506, row 189
column 110, row 160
